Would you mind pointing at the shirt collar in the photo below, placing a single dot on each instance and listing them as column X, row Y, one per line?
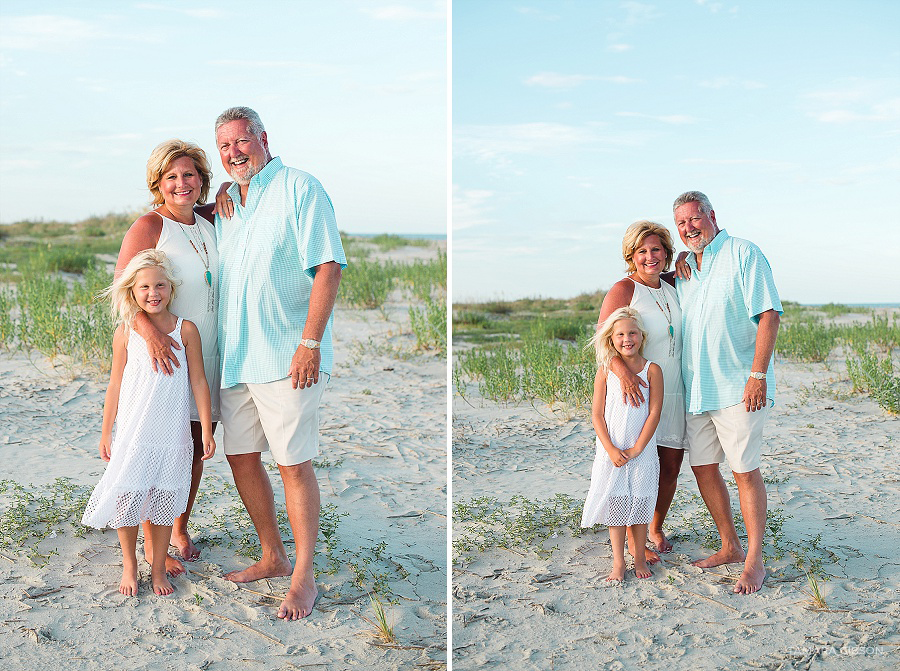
column 711, row 249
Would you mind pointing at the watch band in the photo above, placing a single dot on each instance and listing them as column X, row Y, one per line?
column 757, row 376
column 309, row 343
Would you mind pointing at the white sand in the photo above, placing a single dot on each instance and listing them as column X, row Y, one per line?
column 384, row 417
column 840, row 454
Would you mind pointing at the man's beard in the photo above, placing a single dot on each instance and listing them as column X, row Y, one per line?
column 247, row 172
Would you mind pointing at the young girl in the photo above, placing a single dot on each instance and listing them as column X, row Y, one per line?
column 625, row 475
column 149, row 454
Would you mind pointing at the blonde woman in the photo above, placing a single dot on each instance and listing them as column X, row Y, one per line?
column 178, row 177
column 650, row 290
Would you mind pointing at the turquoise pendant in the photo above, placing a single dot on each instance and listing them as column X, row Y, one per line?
column 209, row 281
column 671, row 328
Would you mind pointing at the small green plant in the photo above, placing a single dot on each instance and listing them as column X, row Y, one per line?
column 383, row 623
column 430, row 325
column 520, row 524
column 33, row 513
column 198, row 598
column 815, row 592
column 875, row 377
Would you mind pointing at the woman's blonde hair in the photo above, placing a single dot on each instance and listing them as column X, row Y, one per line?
column 634, row 238
column 172, row 150
column 602, row 339
column 121, row 295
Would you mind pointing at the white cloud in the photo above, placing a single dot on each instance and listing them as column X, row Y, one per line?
column 762, row 163
column 618, row 48
column 46, row 32
column 471, row 208
column 538, row 13
column 197, row 13
column 495, row 142
column 556, row 80
column 716, row 7
column 638, row 12
column 675, row 119
column 857, row 100
column 406, row 12
column 726, row 82
column 315, row 69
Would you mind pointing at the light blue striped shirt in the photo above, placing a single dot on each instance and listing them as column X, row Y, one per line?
column 267, row 253
column 720, row 308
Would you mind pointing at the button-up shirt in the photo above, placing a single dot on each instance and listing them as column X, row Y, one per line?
column 268, row 252
column 720, row 308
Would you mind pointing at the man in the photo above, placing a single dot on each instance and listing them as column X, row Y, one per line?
column 280, row 261
column 730, row 317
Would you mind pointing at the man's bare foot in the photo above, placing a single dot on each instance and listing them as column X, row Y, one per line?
column 650, row 556
column 751, row 579
column 617, row 574
column 185, row 546
column 658, row 538
column 261, row 569
column 642, row 571
column 299, row 602
column 173, row 566
column 721, row 557
column 161, row 585
column 129, row 583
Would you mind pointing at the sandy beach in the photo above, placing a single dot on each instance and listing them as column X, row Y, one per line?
column 382, row 473
column 831, row 462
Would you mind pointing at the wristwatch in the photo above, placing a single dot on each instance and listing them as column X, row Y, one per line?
column 309, row 343
column 757, row 376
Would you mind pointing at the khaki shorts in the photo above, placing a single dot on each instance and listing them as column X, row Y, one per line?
column 273, row 415
column 731, row 432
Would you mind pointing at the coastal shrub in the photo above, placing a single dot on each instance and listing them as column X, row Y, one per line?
column 387, row 242
column 430, row 324
column 366, row 284
column 422, row 278
column 879, row 331
column 876, row 377
column 470, row 319
column 559, row 374
column 56, row 318
column 806, row 341
column 519, row 525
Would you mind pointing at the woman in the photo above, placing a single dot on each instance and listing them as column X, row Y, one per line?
column 648, row 252
column 178, row 177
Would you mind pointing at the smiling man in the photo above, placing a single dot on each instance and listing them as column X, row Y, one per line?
column 280, row 261
column 730, row 317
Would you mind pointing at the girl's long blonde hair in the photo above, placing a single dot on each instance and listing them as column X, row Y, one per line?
column 602, row 339
column 122, row 304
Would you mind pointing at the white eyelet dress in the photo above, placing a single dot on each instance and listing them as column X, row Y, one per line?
column 625, row 495
column 149, row 473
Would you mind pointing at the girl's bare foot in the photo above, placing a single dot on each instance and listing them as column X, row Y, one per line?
column 186, row 548
column 642, row 571
column 173, row 566
column 129, row 584
column 161, row 586
column 617, row 574
column 658, row 538
column 650, row 556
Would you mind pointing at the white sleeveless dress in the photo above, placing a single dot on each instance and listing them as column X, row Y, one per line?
column 194, row 299
column 654, row 306
column 626, row 495
column 149, row 473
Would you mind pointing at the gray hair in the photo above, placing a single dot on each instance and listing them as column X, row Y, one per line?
column 693, row 197
column 241, row 114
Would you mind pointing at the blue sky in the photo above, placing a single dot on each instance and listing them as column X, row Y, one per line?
column 573, row 119
column 353, row 91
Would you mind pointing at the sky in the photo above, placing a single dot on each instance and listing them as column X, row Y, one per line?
column 352, row 91
column 572, row 119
